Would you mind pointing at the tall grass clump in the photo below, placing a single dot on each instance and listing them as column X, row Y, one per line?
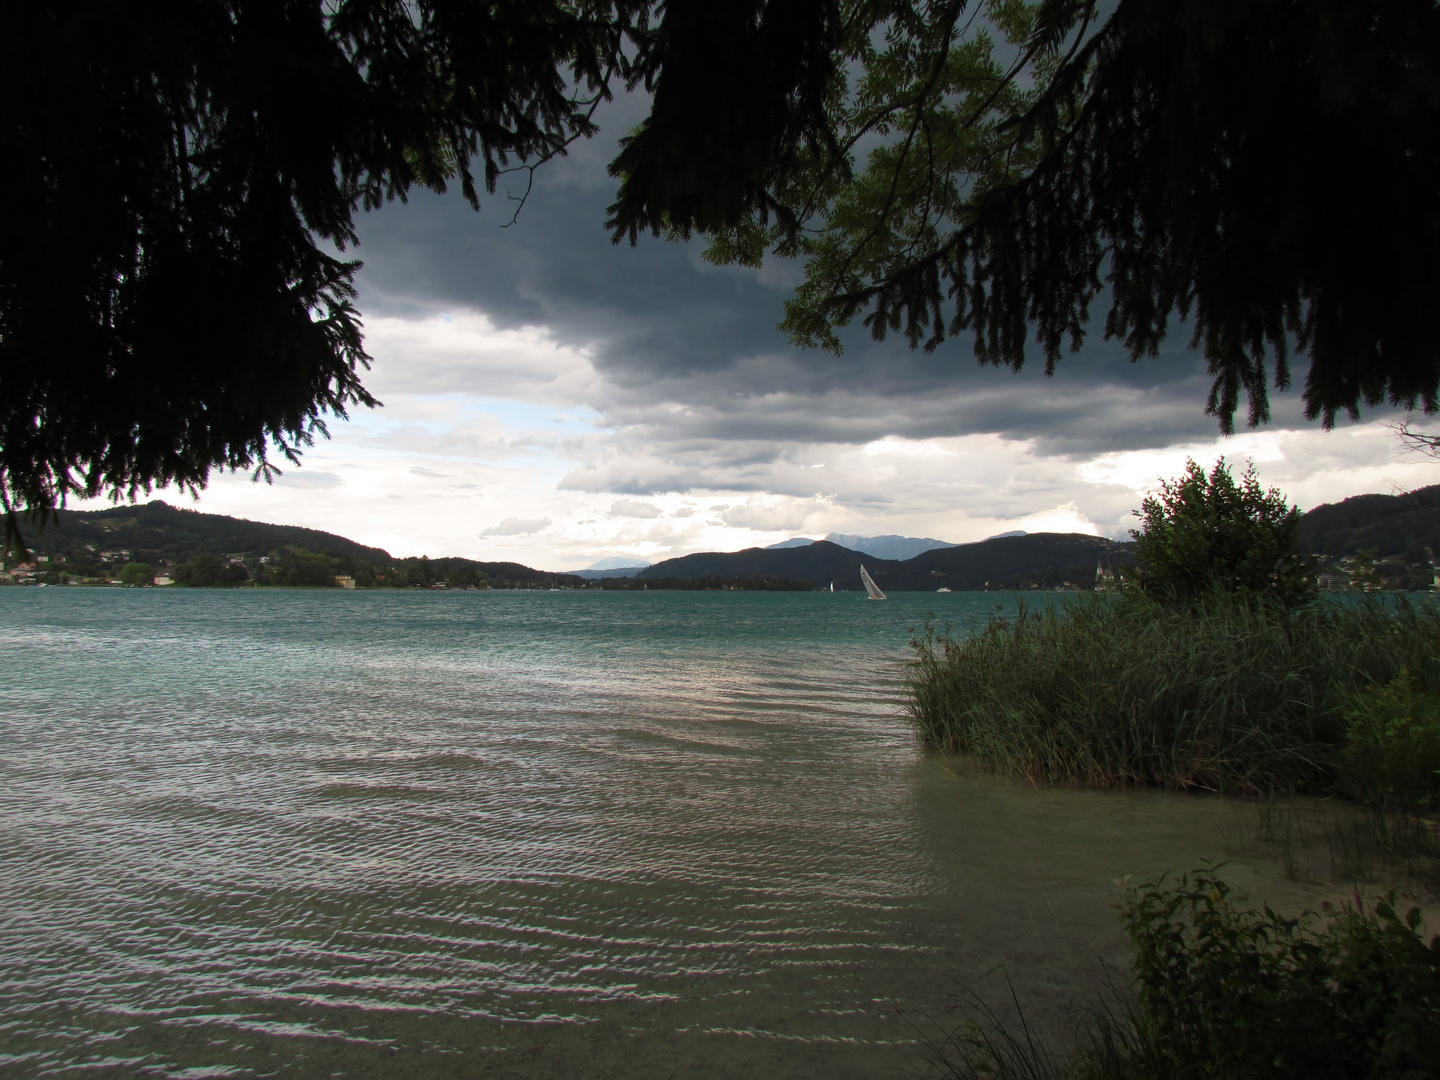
column 1224, row 993
column 1228, row 692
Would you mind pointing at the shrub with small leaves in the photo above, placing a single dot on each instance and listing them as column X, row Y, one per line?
column 1221, row 992
column 1208, row 532
column 1392, row 746
column 1231, row 993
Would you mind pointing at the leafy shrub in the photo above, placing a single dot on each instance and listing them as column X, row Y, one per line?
column 1392, row 746
column 296, row 566
column 1206, row 533
column 1228, row 993
column 1221, row 993
column 234, row 574
column 203, row 570
column 137, row 573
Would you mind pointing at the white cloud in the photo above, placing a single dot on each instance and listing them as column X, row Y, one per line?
column 463, row 352
column 771, row 514
column 633, row 508
column 297, row 477
column 517, row 527
column 430, row 498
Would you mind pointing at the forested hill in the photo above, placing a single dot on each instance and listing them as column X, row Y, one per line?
column 1392, row 526
column 1044, row 560
column 177, row 534
column 1040, row 560
column 212, row 549
column 819, row 563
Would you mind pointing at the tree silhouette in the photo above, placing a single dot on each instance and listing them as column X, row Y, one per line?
column 179, row 178
column 181, row 182
column 1267, row 169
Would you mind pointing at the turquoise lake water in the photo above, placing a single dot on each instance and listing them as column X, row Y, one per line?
column 248, row 833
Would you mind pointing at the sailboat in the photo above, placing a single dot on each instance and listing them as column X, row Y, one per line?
column 832, row 586
column 869, row 583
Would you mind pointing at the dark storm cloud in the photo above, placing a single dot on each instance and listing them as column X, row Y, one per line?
column 690, row 354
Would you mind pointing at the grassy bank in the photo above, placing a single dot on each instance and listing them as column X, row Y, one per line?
column 1220, row 991
column 1226, row 694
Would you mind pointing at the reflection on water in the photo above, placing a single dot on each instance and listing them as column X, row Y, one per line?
column 527, row 834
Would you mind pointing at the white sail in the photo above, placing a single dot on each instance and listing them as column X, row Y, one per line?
column 869, row 583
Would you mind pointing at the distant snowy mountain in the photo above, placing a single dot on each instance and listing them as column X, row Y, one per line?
column 622, row 562
column 618, row 567
column 798, row 541
column 887, row 547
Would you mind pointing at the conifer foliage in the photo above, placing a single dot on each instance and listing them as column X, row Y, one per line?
column 177, row 179
column 180, row 181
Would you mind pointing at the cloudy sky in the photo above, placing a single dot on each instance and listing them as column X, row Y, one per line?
column 554, row 399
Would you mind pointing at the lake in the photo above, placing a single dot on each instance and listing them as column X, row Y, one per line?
column 586, row 833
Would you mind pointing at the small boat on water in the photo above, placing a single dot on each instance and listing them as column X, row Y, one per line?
column 870, row 587
column 943, row 588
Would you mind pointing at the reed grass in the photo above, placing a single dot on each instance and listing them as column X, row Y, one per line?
column 1226, row 694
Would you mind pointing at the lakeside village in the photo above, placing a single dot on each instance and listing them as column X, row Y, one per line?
column 296, row 567
column 292, row 568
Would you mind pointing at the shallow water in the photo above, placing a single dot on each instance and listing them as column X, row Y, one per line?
column 523, row 834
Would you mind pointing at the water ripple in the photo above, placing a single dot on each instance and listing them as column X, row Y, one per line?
column 243, row 833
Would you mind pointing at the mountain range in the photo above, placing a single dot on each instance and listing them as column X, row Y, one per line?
column 597, row 573
column 1039, row 560
column 881, row 547
column 1403, row 528
column 610, row 568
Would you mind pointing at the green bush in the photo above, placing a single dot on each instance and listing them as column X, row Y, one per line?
column 1209, row 533
column 1221, row 993
column 201, row 571
column 1392, row 746
column 136, row 573
column 1230, row 694
column 1228, row 993
column 296, row 566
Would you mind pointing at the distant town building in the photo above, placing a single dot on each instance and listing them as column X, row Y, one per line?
column 345, row 581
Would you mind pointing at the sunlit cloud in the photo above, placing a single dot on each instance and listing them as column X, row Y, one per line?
column 517, row 527
column 634, row 508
